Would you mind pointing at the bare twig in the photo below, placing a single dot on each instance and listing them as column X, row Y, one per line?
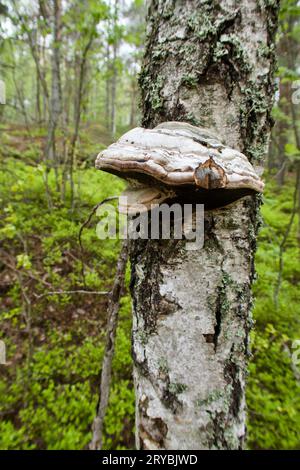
column 84, row 225
column 62, row 292
column 112, row 321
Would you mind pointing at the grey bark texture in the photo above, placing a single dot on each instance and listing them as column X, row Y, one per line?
column 209, row 63
column 114, row 72
column 56, row 97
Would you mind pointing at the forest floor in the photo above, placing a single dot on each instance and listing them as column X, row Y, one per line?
column 49, row 386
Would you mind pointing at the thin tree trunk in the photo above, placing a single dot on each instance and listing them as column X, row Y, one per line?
column 114, row 74
column 38, row 100
column 112, row 323
column 56, row 96
column 107, row 89
column 43, row 67
column 287, row 49
column 282, row 131
column 113, row 93
column 37, row 83
column 205, row 63
column 67, row 91
column 33, row 50
column 20, row 96
column 77, row 111
column 292, row 57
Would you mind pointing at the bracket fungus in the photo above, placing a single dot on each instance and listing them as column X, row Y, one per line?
column 178, row 161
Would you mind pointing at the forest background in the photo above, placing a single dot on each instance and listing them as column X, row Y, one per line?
column 70, row 70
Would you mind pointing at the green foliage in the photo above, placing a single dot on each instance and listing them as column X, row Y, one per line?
column 292, row 152
column 50, row 386
column 276, row 214
column 49, row 390
column 273, row 393
column 273, row 387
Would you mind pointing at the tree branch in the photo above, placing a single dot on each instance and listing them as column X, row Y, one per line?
column 112, row 321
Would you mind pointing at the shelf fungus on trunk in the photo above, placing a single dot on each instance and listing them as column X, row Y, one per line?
column 176, row 161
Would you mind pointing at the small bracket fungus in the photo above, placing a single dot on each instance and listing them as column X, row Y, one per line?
column 178, row 161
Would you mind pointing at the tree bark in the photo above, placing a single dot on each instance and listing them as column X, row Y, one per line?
column 79, row 91
column 56, row 94
column 210, row 64
column 38, row 116
column 114, row 72
column 281, row 129
column 113, row 92
column 107, row 87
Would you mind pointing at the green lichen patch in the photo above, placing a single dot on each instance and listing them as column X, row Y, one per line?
column 176, row 388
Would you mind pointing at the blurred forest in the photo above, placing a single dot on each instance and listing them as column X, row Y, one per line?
column 71, row 75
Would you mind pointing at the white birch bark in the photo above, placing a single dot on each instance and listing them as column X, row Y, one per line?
column 210, row 64
column 56, row 98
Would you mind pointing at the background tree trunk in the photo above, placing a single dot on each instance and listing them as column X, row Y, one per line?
column 107, row 87
column 38, row 115
column 282, row 126
column 114, row 72
column 113, row 92
column 80, row 68
column 211, row 64
column 56, row 95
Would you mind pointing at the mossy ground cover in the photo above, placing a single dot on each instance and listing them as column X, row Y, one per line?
column 273, row 395
column 49, row 387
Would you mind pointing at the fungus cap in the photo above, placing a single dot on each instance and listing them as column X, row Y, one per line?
column 178, row 160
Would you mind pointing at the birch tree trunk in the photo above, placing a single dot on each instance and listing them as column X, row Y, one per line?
column 210, row 64
column 114, row 71
column 107, row 87
column 113, row 92
column 56, row 95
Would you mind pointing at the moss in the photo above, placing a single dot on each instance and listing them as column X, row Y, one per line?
column 230, row 46
column 159, row 53
column 268, row 3
column 264, row 51
column 163, row 366
column 255, row 105
column 175, row 388
column 226, row 279
column 187, row 50
column 231, row 224
column 201, row 24
column 215, row 395
column 189, row 81
column 190, row 117
column 223, row 302
column 153, row 88
column 142, row 337
column 168, row 10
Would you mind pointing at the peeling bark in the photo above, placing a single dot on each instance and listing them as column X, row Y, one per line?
column 210, row 64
